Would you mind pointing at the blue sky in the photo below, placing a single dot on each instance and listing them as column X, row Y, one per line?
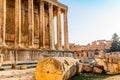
column 91, row 20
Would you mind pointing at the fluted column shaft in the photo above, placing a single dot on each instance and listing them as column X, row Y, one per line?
column 31, row 23
column 17, row 23
column 66, row 43
column 51, row 25
column 59, row 32
column 42, row 26
column 2, row 22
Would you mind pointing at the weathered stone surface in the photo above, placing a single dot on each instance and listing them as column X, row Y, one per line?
column 28, row 26
column 87, row 68
column 80, row 68
column 23, row 67
column 1, row 59
column 61, row 68
column 97, row 70
column 110, row 63
column 95, row 45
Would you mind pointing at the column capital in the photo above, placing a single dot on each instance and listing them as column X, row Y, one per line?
column 58, row 8
column 50, row 4
column 65, row 11
column 42, row 1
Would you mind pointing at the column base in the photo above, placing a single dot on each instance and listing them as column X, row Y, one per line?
column 66, row 49
column 32, row 46
column 60, row 49
column 19, row 46
column 43, row 48
column 53, row 48
column 4, row 46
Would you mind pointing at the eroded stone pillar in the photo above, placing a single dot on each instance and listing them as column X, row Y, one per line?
column 59, row 32
column 17, row 23
column 42, row 26
column 66, row 41
column 31, row 23
column 52, row 44
column 2, row 22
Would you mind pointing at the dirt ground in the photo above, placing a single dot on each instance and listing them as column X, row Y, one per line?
column 27, row 74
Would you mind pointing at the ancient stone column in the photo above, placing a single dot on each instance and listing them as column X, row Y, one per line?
column 31, row 23
column 17, row 23
column 66, row 43
column 59, row 33
column 2, row 22
column 42, row 26
column 52, row 44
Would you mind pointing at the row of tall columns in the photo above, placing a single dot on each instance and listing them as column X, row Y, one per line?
column 51, row 25
column 2, row 22
column 18, row 23
column 59, row 29
column 31, row 25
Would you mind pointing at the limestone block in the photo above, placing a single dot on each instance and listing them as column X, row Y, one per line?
column 23, row 67
column 57, row 68
column 97, row 70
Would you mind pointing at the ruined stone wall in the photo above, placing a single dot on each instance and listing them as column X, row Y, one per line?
column 96, row 45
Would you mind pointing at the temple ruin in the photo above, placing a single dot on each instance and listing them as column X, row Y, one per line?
column 27, row 29
column 95, row 45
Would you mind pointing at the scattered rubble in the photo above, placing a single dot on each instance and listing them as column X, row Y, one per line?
column 66, row 67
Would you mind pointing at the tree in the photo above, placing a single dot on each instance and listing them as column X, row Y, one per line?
column 115, row 38
column 115, row 46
